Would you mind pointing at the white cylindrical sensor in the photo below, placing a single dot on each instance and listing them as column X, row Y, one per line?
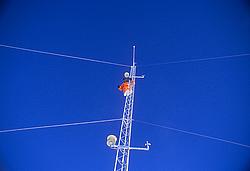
column 111, row 140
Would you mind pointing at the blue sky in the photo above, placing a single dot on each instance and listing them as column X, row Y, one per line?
column 208, row 97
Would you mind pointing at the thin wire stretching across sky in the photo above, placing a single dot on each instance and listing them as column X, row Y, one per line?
column 194, row 133
column 196, row 60
column 58, row 125
column 63, row 55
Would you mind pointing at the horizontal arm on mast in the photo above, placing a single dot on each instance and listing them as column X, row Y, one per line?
column 141, row 76
column 132, row 148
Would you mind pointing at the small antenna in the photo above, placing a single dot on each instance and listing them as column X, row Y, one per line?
column 133, row 55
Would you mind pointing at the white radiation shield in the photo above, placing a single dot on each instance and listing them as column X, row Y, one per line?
column 111, row 140
column 126, row 74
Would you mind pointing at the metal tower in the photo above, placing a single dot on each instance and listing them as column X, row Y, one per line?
column 123, row 147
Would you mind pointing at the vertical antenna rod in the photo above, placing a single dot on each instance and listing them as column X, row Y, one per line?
column 123, row 148
column 133, row 56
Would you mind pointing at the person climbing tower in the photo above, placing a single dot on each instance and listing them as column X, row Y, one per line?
column 126, row 86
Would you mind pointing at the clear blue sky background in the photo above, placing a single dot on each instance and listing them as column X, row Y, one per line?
column 209, row 97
